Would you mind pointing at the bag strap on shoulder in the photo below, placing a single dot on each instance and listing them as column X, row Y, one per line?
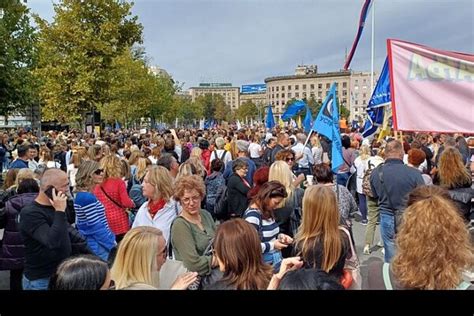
column 348, row 234
column 111, row 200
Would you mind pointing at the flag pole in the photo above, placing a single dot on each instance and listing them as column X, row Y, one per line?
column 372, row 49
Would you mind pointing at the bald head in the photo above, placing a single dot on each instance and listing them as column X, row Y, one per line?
column 56, row 178
column 394, row 150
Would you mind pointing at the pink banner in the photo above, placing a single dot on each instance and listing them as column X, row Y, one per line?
column 431, row 89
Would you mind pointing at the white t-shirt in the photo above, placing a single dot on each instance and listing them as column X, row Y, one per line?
column 254, row 150
column 220, row 152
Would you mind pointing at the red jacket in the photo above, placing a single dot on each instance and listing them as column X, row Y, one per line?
column 117, row 217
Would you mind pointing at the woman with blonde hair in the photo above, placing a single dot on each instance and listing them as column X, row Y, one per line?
column 112, row 193
column 161, row 209
column 140, row 256
column 280, row 171
column 320, row 242
column 433, row 246
column 95, row 152
column 454, row 176
column 90, row 213
column 192, row 166
column 316, row 150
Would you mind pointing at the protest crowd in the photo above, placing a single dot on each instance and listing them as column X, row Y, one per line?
column 228, row 208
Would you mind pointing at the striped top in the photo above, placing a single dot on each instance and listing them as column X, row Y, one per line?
column 91, row 221
column 267, row 229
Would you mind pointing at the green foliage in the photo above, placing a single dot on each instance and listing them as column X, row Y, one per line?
column 18, row 89
column 76, row 55
column 247, row 110
column 213, row 106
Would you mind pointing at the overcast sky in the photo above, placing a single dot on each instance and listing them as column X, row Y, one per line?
column 246, row 41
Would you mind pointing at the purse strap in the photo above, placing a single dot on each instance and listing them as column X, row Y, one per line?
column 111, row 200
column 386, row 276
column 353, row 252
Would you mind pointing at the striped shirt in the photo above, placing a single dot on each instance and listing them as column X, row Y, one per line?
column 88, row 209
column 267, row 229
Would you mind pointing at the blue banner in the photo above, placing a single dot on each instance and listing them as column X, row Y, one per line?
column 254, row 88
column 293, row 109
column 270, row 120
column 327, row 124
column 381, row 97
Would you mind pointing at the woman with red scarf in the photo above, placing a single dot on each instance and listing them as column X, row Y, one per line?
column 160, row 210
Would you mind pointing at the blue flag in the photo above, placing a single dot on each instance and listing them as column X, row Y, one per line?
column 308, row 120
column 270, row 120
column 293, row 109
column 381, row 97
column 327, row 124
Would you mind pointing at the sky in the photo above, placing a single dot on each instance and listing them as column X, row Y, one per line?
column 245, row 41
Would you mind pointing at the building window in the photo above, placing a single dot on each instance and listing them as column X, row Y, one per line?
column 282, row 88
column 289, row 95
column 327, row 85
column 356, row 102
column 304, row 87
column 282, row 102
column 344, row 100
column 289, row 88
column 311, row 86
column 312, row 94
column 364, row 102
column 364, row 95
column 365, row 80
column 282, row 95
column 278, row 95
column 344, row 92
column 320, row 100
column 304, row 94
column 278, row 88
column 357, row 81
column 278, row 102
column 273, row 96
column 297, row 95
column 320, row 85
column 297, row 87
column 320, row 94
column 273, row 89
column 344, row 84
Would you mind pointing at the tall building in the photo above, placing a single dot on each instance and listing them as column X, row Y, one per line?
column 255, row 93
column 307, row 83
column 229, row 93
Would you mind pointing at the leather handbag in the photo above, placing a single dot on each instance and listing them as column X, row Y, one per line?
column 352, row 264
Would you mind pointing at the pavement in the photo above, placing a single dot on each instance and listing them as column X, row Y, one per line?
column 359, row 235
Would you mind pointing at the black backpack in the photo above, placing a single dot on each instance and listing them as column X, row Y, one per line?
column 221, row 207
column 222, row 159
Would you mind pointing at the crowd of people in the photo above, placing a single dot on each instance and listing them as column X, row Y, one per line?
column 238, row 209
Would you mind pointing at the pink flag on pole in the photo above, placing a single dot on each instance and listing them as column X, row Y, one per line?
column 432, row 89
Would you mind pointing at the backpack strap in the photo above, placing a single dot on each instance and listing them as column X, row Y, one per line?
column 223, row 155
column 386, row 276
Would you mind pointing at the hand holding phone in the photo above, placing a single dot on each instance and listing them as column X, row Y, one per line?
column 57, row 198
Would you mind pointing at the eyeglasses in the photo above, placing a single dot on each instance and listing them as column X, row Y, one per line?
column 290, row 159
column 195, row 199
column 98, row 171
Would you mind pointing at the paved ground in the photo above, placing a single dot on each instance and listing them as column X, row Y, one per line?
column 359, row 236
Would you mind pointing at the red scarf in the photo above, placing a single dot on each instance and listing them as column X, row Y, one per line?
column 155, row 206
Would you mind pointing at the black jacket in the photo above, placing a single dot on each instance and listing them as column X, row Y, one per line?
column 463, row 199
column 237, row 195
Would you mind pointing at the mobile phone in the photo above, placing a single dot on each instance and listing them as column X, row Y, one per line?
column 49, row 191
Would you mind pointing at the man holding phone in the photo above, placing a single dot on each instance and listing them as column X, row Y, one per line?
column 44, row 228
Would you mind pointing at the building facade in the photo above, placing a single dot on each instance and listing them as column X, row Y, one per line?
column 353, row 88
column 230, row 94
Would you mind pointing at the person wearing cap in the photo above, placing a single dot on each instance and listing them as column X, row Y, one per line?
column 242, row 152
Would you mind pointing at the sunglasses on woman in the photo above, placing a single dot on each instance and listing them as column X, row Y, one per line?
column 290, row 159
column 98, row 171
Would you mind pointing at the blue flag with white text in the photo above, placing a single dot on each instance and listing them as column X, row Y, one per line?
column 381, row 98
column 327, row 124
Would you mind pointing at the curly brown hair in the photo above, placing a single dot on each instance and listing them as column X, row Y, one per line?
column 189, row 183
column 433, row 245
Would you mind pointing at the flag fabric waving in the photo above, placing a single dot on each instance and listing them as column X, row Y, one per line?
column 308, row 120
column 363, row 16
column 293, row 109
column 327, row 124
column 380, row 99
column 432, row 90
column 270, row 120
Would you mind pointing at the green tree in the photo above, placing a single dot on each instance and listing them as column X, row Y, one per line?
column 213, row 106
column 187, row 111
column 247, row 110
column 76, row 53
column 18, row 89
column 131, row 91
column 163, row 104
